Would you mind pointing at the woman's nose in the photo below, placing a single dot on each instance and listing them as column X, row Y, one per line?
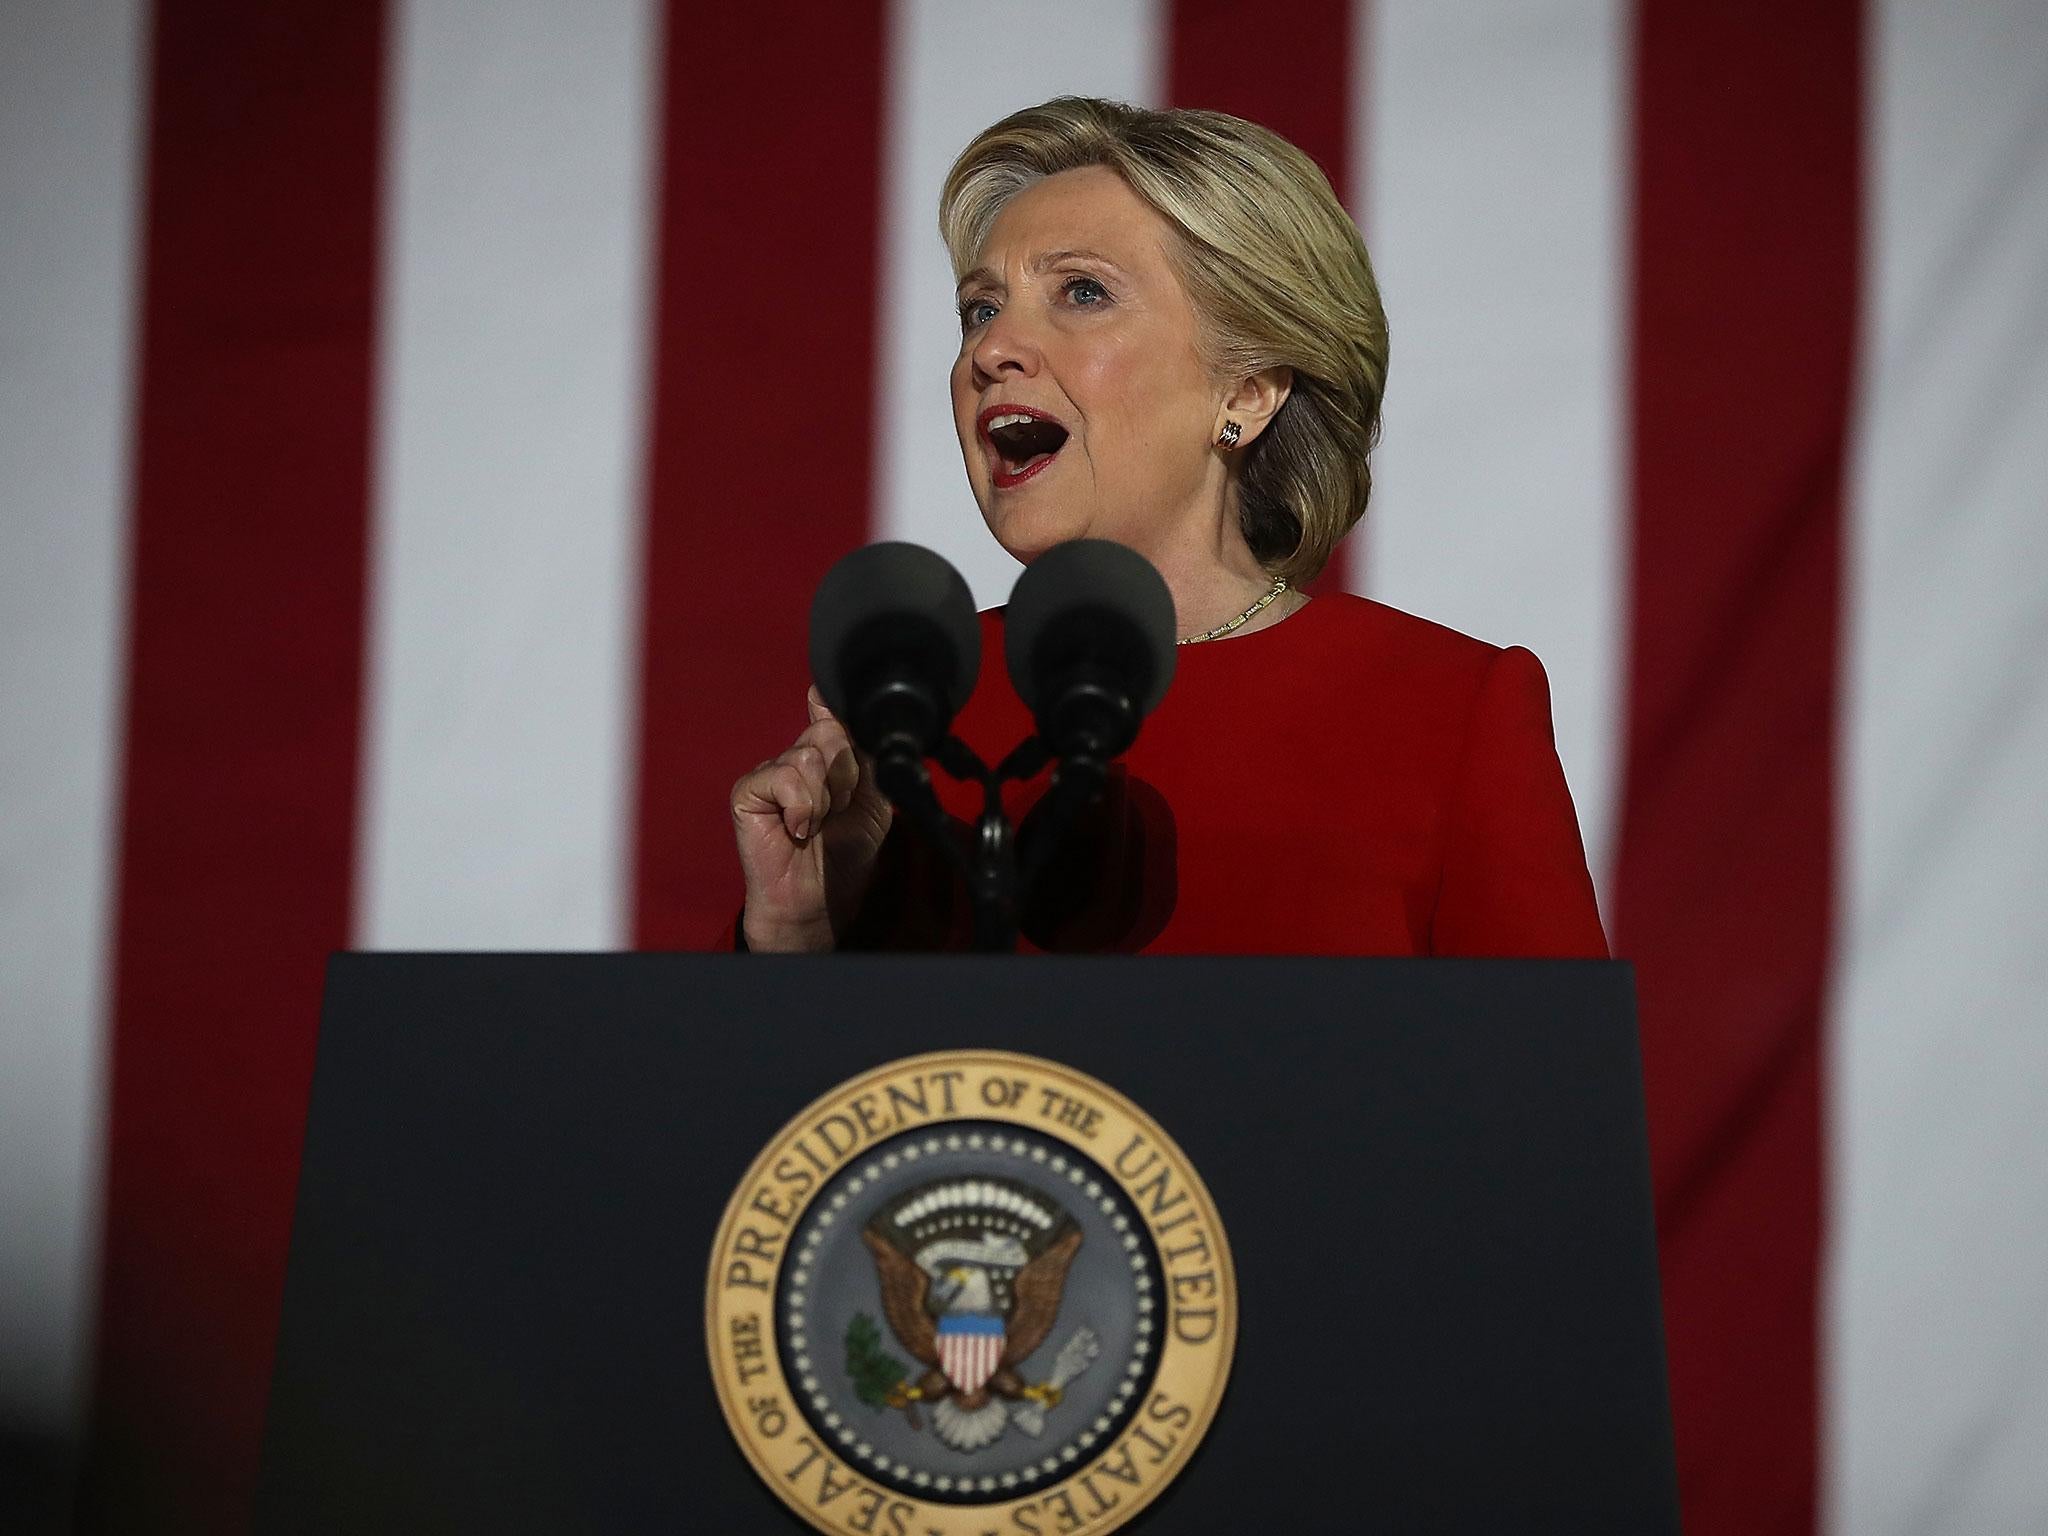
column 1005, row 347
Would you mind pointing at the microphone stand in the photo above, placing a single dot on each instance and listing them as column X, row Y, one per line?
column 989, row 865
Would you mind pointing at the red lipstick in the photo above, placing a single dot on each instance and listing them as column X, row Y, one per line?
column 1004, row 476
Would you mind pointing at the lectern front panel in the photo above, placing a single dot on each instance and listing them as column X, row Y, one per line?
column 1433, row 1177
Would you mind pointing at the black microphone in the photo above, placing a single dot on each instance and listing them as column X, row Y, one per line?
column 895, row 650
column 1089, row 639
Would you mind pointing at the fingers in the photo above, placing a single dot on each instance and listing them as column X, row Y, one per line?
column 809, row 802
column 792, row 787
column 819, row 774
column 835, row 741
column 844, row 766
column 842, row 774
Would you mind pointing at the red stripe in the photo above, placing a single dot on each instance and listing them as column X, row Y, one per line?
column 1745, row 272
column 244, row 672
column 763, row 416
column 1287, row 67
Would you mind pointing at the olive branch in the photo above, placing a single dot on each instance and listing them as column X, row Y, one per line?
column 876, row 1373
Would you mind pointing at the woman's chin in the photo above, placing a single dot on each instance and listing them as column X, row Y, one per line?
column 1027, row 526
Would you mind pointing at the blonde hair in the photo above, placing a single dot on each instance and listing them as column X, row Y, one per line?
column 1274, row 268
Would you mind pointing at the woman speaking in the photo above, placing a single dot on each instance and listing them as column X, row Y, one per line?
column 1170, row 337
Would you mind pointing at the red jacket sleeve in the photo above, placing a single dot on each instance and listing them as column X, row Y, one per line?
column 728, row 940
column 1514, row 869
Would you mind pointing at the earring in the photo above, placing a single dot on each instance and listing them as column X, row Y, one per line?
column 1230, row 434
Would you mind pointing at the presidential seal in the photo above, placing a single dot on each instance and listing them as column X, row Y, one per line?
column 970, row 1293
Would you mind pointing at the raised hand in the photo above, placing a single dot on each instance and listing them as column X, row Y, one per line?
column 809, row 825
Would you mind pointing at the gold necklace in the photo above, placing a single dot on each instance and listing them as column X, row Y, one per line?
column 1279, row 586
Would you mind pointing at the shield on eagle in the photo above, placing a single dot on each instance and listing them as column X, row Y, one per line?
column 970, row 1348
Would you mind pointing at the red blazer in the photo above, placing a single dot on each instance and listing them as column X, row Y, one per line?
column 1351, row 781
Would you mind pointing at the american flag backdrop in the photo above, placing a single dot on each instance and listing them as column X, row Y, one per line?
column 422, row 424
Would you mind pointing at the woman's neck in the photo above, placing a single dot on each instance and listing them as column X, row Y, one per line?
column 1214, row 579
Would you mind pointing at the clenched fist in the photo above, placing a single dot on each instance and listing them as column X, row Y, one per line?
column 809, row 825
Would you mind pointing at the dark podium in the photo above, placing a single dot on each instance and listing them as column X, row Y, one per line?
column 1433, row 1175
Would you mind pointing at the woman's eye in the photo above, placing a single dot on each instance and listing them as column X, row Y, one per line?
column 976, row 312
column 1086, row 292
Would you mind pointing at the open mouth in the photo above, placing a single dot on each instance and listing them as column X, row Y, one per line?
column 1024, row 442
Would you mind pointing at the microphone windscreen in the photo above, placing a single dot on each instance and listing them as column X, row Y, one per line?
column 905, row 589
column 1107, row 581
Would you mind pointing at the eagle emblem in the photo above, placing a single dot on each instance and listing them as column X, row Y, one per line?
column 938, row 1303
column 971, row 1273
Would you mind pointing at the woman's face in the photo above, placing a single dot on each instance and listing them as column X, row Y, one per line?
column 1082, row 404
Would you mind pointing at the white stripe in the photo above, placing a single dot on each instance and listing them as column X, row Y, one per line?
column 1937, row 1391
column 955, row 68
column 71, row 90
column 507, row 480
column 1492, row 149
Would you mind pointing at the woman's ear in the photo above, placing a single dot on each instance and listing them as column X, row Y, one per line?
column 1255, row 402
